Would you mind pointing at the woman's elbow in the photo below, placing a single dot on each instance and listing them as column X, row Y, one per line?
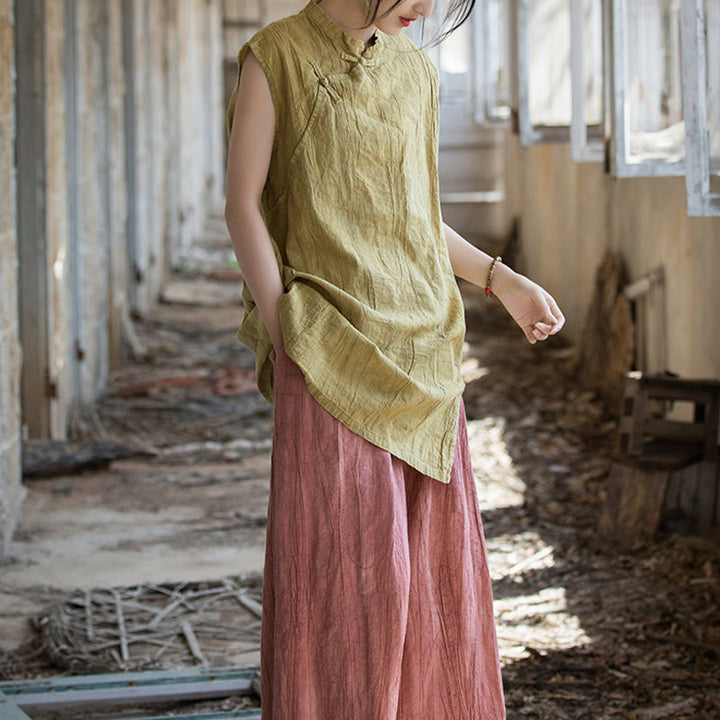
column 235, row 210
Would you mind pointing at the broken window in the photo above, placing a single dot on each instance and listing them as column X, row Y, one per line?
column 701, row 82
column 543, row 68
column 648, row 131
column 587, row 131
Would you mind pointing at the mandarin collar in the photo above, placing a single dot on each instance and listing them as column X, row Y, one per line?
column 342, row 41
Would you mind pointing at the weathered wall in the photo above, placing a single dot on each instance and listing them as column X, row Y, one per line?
column 174, row 113
column 571, row 213
column 11, row 492
column 200, row 114
column 119, row 139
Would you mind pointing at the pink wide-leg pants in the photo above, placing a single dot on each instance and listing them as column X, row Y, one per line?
column 377, row 601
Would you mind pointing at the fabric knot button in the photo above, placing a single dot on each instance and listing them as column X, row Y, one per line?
column 358, row 65
column 325, row 83
column 358, row 59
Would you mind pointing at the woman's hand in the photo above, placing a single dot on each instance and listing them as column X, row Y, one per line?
column 532, row 308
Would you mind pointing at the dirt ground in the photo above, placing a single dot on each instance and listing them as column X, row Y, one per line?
column 586, row 632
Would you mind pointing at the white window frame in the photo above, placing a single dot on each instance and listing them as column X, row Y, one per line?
column 700, row 200
column 484, row 93
column 620, row 113
column 530, row 134
column 587, row 143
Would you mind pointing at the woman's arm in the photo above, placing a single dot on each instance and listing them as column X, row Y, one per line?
column 532, row 308
column 249, row 151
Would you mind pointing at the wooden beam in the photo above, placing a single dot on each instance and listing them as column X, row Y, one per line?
column 232, row 715
column 140, row 687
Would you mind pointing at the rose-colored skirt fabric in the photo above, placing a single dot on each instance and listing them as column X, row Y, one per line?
column 377, row 601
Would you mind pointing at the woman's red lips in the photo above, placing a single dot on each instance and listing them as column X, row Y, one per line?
column 406, row 21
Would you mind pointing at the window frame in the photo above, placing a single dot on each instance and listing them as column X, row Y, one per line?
column 620, row 115
column 701, row 201
column 483, row 98
column 530, row 134
column 587, row 142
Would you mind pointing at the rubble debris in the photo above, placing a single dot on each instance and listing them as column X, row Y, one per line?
column 153, row 625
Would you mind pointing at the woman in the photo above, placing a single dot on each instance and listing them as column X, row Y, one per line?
column 377, row 600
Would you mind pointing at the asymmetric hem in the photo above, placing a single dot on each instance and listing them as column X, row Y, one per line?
column 371, row 311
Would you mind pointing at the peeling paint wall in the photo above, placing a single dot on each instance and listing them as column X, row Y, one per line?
column 571, row 213
column 11, row 492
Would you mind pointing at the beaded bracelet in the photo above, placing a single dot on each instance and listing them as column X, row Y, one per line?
column 491, row 272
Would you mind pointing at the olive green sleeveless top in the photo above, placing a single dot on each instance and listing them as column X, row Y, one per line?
column 371, row 312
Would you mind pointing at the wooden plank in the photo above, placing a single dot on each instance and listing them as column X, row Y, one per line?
column 232, row 715
column 692, row 497
column 162, row 686
column 633, row 504
column 680, row 388
column 712, row 418
column 165, row 693
column 675, row 430
column 707, row 491
column 119, row 679
column 671, row 507
column 687, row 497
column 635, row 438
column 716, row 517
column 10, row 711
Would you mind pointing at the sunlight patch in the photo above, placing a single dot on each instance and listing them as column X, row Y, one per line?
column 540, row 621
column 498, row 484
column 513, row 555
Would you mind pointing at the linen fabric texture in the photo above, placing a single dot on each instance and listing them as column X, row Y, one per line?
column 371, row 311
column 377, row 599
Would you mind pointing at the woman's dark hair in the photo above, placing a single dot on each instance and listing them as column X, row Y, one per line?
column 457, row 12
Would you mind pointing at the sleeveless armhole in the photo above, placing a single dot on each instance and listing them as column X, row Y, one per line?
column 254, row 44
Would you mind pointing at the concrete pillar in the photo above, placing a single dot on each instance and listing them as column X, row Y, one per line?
column 171, row 99
column 200, row 105
column 114, row 178
column 215, row 155
column 55, row 217
column 11, row 491
column 174, row 132
column 42, row 216
column 95, row 190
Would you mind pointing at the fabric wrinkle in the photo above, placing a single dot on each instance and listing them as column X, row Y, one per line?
column 372, row 609
column 364, row 251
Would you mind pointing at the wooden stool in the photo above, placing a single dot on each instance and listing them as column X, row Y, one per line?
column 664, row 471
